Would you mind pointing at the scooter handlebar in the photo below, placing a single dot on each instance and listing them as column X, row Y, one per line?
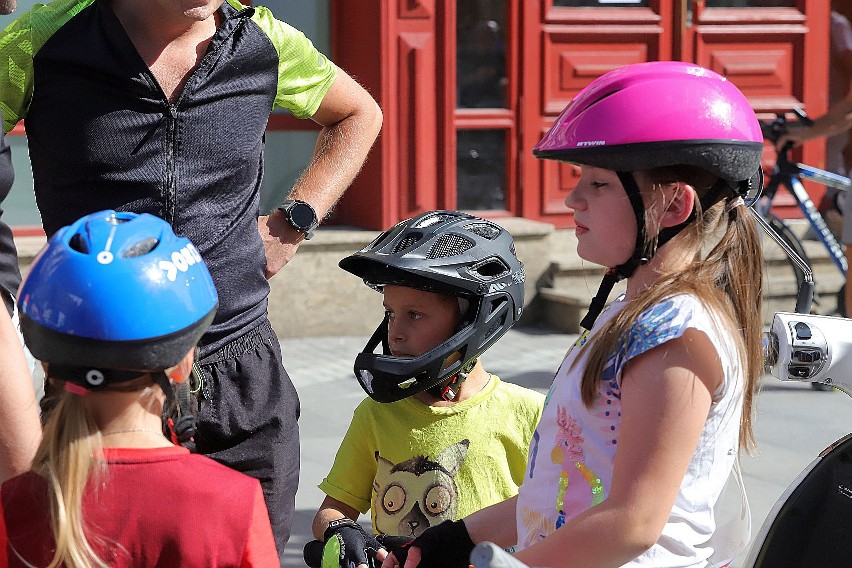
column 810, row 348
column 313, row 551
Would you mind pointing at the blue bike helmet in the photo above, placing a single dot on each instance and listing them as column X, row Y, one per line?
column 447, row 252
column 113, row 295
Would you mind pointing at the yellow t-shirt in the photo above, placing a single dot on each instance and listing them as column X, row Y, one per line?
column 419, row 465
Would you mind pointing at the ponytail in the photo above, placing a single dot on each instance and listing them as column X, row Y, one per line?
column 739, row 256
column 66, row 459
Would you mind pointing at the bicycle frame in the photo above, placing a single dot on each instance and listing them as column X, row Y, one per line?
column 788, row 174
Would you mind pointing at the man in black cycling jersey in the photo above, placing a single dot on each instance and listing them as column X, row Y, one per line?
column 161, row 107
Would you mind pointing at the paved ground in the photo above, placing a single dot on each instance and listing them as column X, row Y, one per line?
column 793, row 423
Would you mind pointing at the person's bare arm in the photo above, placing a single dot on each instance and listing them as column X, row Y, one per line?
column 838, row 119
column 20, row 427
column 665, row 401
column 330, row 510
column 351, row 122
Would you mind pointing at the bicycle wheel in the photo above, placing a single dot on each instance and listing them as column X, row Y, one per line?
column 783, row 276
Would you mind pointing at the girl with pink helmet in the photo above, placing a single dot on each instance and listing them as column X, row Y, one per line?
column 650, row 408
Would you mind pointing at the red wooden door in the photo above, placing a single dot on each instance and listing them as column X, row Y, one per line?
column 776, row 53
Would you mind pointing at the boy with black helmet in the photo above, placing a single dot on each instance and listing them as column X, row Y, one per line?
column 114, row 305
column 452, row 438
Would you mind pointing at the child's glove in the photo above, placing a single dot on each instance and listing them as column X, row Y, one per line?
column 315, row 554
column 348, row 544
column 446, row 545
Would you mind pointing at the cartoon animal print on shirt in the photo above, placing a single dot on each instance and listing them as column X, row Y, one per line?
column 417, row 493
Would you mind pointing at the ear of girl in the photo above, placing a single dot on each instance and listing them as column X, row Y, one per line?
column 680, row 204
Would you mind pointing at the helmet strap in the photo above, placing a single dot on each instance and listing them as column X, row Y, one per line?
column 711, row 198
column 641, row 253
column 599, row 301
column 450, row 391
column 626, row 269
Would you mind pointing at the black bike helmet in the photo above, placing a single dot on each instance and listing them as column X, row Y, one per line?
column 446, row 252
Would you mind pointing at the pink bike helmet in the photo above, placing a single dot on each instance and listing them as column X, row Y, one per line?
column 658, row 114
column 653, row 115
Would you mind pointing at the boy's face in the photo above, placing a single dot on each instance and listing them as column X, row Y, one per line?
column 418, row 320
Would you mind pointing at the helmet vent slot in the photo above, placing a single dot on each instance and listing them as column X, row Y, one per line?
column 142, row 247
column 602, row 97
column 449, row 245
column 491, row 268
column 378, row 241
column 77, row 243
column 405, row 243
column 484, row 230
column 433, row 220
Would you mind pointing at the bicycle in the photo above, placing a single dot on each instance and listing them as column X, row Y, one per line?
column 789, row 174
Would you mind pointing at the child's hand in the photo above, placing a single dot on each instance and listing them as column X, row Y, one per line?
column 395, row 550
column 446, row 545
column 348, row 544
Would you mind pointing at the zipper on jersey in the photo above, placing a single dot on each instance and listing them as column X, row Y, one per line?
column 170, row 190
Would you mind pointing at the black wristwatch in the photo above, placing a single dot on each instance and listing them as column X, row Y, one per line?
column 301, row 215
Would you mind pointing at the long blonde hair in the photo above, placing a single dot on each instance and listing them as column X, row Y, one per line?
column 728, row 280
column 68, row 458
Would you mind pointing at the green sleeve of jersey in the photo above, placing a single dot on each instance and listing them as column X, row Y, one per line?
column 304, row 74
column 19, row 43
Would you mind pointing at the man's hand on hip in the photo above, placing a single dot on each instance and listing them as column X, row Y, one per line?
column 280, row 241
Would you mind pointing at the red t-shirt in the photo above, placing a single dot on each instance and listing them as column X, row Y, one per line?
column 154, row 507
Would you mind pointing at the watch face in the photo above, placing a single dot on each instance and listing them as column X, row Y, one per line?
column 302, row 216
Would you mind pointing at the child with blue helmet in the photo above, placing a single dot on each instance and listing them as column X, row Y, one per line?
column 113, row 306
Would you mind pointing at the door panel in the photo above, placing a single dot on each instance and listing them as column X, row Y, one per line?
column 572, row 58
column 577, row 41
